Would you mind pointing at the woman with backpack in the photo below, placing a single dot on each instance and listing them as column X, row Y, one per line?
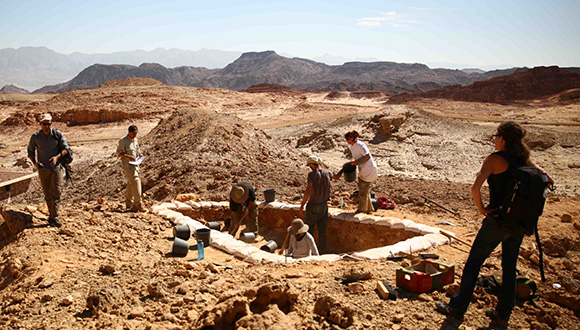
column 511, row 150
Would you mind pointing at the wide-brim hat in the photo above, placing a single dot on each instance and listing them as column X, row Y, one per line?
column 239, row 193
column 298, row 227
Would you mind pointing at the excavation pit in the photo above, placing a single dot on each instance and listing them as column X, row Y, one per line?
column 349, row 235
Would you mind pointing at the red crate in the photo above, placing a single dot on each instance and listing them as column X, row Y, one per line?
column 428, row 275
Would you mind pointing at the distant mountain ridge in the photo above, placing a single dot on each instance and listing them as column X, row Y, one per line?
column 270, row 68
column 34, row 67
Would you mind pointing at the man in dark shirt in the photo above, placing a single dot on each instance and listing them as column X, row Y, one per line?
column 317, row 194
column 50, row 146
column 243, row 207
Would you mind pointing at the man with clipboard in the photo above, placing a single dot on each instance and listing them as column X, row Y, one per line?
column 128, row 151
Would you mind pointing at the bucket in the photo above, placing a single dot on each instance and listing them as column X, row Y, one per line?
column 270, row 195
column 375, row 203
column 248, row 237
column 271, row 246
column 215, row 225
column 182, row 232
column 180, row 247
column 203, row 234
column 349, row 173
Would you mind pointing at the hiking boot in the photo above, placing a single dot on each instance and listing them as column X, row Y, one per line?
column 138, row 209
column 495, row 319
column 446, row 309
column 55, row 223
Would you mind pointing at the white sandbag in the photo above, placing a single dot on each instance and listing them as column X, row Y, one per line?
column 180, row 222
column 205, row 205
column 324, row 257
column 245, row 252
column 155, row 209
column 348, row 217
column 402, row 224
column 420, row 243
column 182, row 206
column 193, row 204
column 376, row 253
column 370, row 219
column 220, row 205
column 169, row 206
column 439, row 239
column 384, row 222
column 424, row 229
column 334, row 211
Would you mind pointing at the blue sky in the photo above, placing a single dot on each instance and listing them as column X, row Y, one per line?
column 486, row 34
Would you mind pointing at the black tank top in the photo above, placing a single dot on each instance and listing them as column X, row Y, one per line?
column 498, row 182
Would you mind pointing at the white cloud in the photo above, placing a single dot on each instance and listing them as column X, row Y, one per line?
column 390, row 18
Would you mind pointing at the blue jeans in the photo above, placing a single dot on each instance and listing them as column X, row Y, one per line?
column 488, row 238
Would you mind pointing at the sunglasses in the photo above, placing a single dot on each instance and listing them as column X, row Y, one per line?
column 46, row 124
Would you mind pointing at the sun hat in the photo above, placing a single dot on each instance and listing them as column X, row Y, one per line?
column 239, row 193
column 298, row 227
column 313, row 160
column 133, row 129
column 45, row 117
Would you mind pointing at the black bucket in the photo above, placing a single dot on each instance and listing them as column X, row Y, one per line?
column 349, row 172
column 180, row 247
column 215, row 225
column 183, row 232
column 203, row 234
column 248, row 237
column 271, row 246
column 270, row 195
column 375, row 203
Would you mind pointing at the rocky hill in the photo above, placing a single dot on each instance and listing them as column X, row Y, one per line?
column 11, row 89
column 532, row 84
column 270, row 68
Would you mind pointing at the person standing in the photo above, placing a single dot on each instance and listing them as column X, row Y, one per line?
column 50, row 145
column 510, row 150
column 317, row 195
column 367, row 173
column 128, row 151
column 243, row 207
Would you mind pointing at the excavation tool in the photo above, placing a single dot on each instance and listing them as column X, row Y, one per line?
column 285, row 242
column 448, row 234
column 429, row 201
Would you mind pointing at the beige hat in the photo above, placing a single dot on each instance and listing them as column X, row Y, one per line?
column 314, row 160
column 45, row 117
column 239, row 193
column 298, row 227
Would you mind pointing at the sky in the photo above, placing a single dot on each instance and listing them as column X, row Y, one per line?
column 456, row 34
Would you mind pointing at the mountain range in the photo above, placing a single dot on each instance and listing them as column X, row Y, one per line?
column 270, row 68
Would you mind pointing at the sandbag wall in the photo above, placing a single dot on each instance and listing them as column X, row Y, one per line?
column 358, row 235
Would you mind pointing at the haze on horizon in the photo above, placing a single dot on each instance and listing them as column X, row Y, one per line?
column 453, row 34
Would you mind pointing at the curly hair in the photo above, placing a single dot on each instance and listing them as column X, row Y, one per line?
column 513, row 135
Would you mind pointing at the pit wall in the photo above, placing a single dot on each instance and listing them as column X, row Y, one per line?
column 362, row 233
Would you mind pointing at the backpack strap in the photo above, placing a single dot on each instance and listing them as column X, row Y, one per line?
column 541, row 253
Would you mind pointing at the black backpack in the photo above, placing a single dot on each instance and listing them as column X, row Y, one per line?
column 525, row 197
column 524, row 200
column 67, row 159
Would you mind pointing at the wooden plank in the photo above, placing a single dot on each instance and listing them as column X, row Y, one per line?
column 19, row 179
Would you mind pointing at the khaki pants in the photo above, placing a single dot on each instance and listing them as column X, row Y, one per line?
column 365, row 205
column 52, row 182
column 133, row 196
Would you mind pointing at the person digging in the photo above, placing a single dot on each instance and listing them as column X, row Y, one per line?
column 244, row 209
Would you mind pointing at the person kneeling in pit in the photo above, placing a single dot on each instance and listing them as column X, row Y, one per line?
column 301, row 244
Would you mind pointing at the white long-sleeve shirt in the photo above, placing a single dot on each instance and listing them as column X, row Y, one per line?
column 368, row 170
column 303, row 248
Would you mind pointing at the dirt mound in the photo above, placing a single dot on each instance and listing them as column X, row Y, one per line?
column 202, row 152
column 356, row 95
column 132, row 82
column 535, row 83
column 272, row 88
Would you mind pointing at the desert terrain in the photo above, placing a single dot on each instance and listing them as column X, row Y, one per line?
column 109, row 269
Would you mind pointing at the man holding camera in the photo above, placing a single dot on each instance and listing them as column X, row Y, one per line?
column 50, row 145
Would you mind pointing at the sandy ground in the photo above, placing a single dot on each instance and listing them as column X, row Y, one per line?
column 109, row 269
